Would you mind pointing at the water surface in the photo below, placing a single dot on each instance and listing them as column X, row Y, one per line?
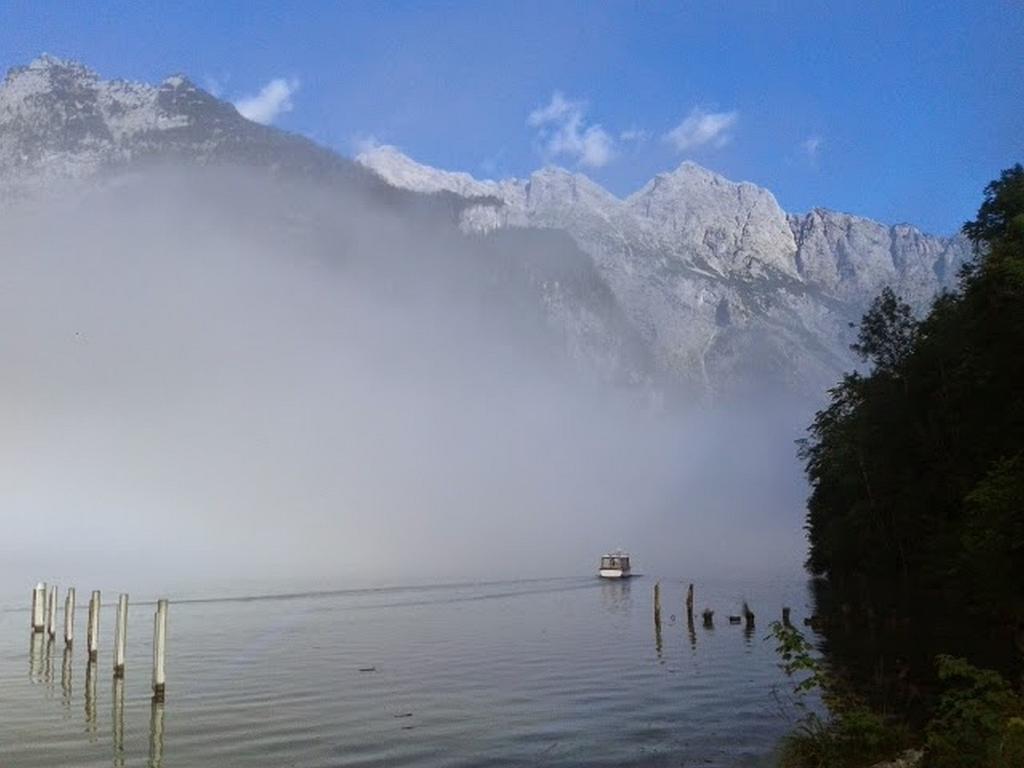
column 560, row 672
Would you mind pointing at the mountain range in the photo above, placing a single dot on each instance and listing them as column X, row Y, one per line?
column 693, row 281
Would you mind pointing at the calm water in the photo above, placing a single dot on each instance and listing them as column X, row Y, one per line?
column 561, row 672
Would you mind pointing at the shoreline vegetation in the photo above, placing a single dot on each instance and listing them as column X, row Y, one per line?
column 915, row 524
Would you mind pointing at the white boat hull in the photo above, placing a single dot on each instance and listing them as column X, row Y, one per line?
column 613, row 573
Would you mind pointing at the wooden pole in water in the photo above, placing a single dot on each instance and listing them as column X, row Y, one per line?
column 159, row 650
column 657, row 603
column 709, row 618
column 94, row 625
column 39, row 607
column 785, row 617
column 748, row 615
column 120, row 635
column 689, row 603
column 69, row 617
column 51, row 612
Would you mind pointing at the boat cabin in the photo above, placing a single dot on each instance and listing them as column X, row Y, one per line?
column 615, row 566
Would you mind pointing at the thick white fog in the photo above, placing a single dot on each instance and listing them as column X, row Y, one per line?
column 218, row 382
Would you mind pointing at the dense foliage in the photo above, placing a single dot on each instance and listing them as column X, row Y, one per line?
column 979, row 722
column 851, row 734
column 917, row 467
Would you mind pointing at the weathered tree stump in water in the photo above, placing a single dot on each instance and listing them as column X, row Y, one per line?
column 709, row 618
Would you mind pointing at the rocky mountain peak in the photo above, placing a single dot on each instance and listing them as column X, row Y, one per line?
column 712, row 275
column 59, row 120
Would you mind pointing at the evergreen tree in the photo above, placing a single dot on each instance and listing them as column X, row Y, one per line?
column 917, row 468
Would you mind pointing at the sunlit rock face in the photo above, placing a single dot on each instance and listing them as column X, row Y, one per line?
column 694, row 282
column 728, row 291
column 60, row 121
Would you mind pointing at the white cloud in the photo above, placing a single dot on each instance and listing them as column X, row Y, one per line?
column 701, row 128
column 562, row 131
column 812, row 147
column 558, row 110
column 638, row 135
column 214, row 85
column 365, row 142
column 273, row 100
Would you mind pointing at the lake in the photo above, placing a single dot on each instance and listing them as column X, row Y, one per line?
column 559, row 672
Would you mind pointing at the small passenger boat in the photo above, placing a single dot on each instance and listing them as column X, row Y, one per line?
column 615, row 566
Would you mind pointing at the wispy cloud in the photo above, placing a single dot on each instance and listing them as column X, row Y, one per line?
column 273, row 100
column 812, row 148
column 701, row 128
column 216, row 85
column 563, row 131
column 365, row 142
column 634, row 135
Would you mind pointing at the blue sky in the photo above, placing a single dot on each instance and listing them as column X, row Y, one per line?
column 900, row 111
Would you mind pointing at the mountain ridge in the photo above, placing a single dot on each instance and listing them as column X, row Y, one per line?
column 722, row 287
column 692, row 255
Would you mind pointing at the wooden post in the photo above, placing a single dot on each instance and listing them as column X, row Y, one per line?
column 39, row 607
column 159, row 650
column 748, row 615
column 689, row 603
column 69, row 617
column 657, row 602
column 94, row 626
column 709, row 618
column 120, row 635
column 785, row 617
column 51, row 612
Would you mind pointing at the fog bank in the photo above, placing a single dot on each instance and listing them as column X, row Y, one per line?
column 211, row 378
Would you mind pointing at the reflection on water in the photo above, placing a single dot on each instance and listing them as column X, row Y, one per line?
column 657, row 636
column 616, row 597
column 690, row 631
column 35, row 658
column 884, row 638
column 156, row 734
column 48, row 666
column 118, row 721
column 90, row 700
column 65, row 678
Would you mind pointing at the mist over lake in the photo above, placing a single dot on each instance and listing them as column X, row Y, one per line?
column 459, row 384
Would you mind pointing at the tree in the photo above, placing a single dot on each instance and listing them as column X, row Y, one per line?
column 887, row 333
column 1001, row 216
column 915, row 467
